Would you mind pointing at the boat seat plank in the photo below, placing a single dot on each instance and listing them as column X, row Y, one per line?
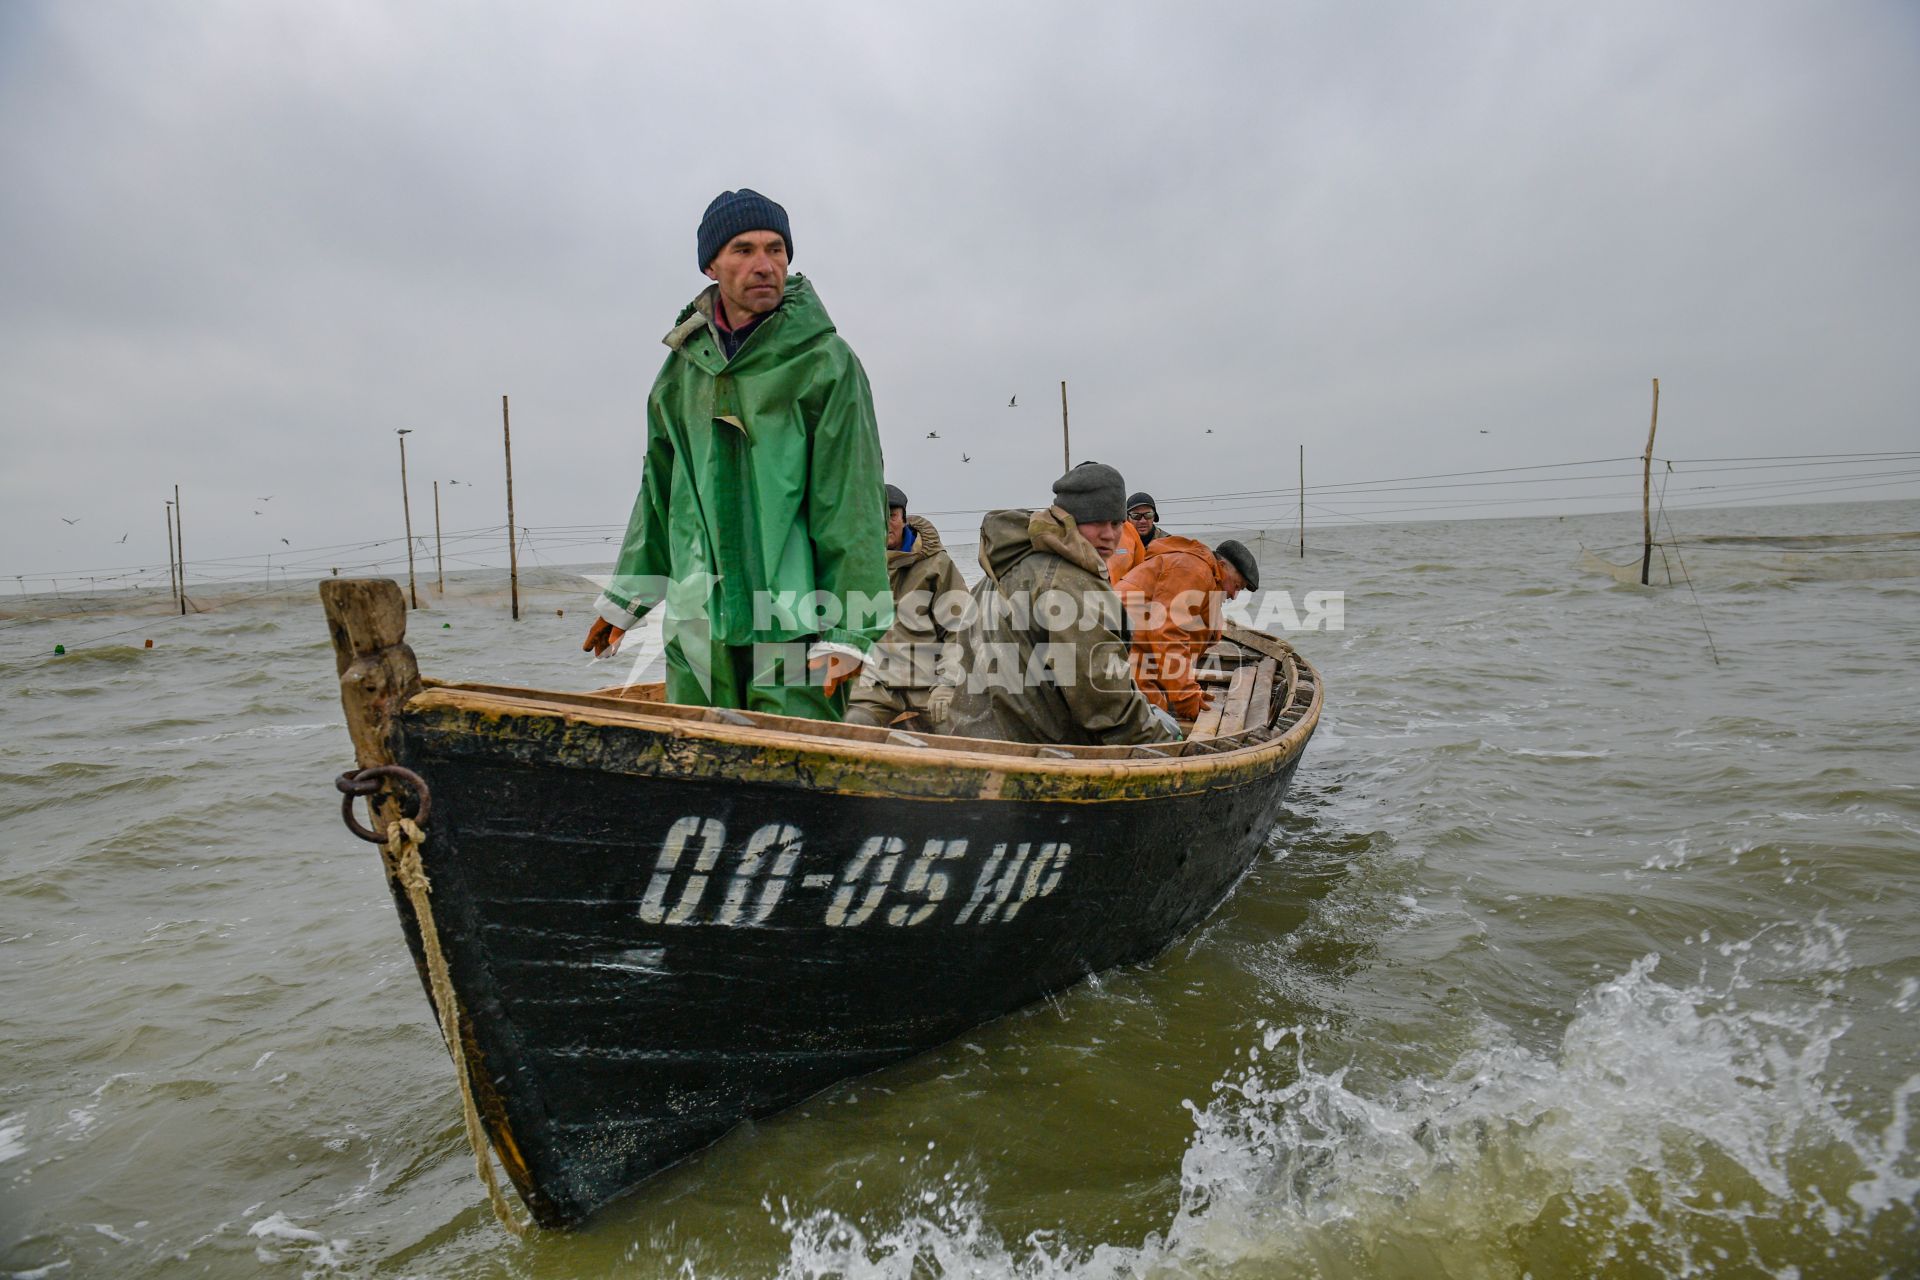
column 1207, row 723
column 1233, row 714
column 1260, row 705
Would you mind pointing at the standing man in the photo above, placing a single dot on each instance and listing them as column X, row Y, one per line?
column 1043, row 658
column 906, row 664
column 755, row 523
column 1141, row 529
column 1173, row 600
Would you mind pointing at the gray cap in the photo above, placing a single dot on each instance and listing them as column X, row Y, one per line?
column 1091, row 492
column 895, row 498
column 1143, row 499
column 1237, row 555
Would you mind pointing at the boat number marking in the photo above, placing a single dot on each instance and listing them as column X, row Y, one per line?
column 883, row 881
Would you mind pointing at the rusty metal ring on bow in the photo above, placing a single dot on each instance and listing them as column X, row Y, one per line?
column 367, row 782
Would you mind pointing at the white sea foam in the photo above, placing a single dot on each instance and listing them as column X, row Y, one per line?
column 283, row 1236
column 12, row 1130
column 1675, row 1131
column 39, row 1273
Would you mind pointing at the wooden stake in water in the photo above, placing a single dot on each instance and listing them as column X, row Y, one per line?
column 513, row 550
column 406, row 510
column 180, row 532
column 439, row 563
column 1303, row 502
column 1066, row 445
column 173, row 577
column 1646, row 489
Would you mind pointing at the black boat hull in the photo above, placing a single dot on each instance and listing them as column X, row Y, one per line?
column 645, row 962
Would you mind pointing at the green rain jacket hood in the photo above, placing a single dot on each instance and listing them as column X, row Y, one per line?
column 762, row 486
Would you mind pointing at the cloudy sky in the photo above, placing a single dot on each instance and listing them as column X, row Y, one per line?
column 245, row 242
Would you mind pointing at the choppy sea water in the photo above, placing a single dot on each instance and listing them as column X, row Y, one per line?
column 1578, row 955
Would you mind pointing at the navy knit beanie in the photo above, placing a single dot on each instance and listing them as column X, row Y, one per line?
column 733, row 212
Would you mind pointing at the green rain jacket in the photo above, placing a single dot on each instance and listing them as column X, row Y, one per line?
column 762, row 487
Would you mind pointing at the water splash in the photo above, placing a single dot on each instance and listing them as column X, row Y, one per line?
column 1676, row 1131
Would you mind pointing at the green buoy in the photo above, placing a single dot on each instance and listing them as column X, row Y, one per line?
column 59, row 650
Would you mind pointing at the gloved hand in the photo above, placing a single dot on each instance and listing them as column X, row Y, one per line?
column 939, row 713
column 603, row 638
column 839, row 668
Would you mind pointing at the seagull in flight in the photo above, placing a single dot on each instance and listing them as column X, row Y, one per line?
column 75, row 520
column 1209, row 430
column 1012, row 401
column 965, row 458
column 453, row 482
column 258, row 513
column 123, row 538
column 1483, row 431
column 268, row 498
column 283, row 540
column 933, row 435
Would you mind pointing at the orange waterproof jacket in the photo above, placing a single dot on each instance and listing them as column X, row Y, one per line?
column 1173, row 599
column 1130, row 553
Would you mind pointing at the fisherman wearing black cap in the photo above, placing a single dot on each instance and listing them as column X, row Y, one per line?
column 907, row 663
column 756, row 497
column 1045, row 659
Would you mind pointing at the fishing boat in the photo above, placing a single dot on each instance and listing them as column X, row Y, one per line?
column 641, row 924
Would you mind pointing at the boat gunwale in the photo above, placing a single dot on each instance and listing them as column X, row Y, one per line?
column 935, row 754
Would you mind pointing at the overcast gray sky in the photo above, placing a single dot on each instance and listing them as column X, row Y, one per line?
column 244, row 242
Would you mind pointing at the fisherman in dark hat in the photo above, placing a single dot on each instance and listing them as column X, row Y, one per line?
column 1143, row 516
column 1044, row 659
column 756, row 494
column 905, row 666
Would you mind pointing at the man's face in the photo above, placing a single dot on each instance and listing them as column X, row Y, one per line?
column 1142, row 518
column 1230, row 580
column 1103, row 534
column 752, row 271
column 896, row 527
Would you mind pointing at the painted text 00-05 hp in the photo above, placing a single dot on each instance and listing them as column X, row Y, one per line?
column 869, row 888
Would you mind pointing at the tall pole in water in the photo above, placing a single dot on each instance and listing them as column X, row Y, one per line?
column 173, row 577
column 1066, row 445
column 1303, row 502
column 406, row 509
column 1646, row 489
column 180, row 532
column 439, row 563
column 513, row 550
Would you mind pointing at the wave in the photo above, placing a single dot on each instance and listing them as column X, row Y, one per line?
column 1675, row 1131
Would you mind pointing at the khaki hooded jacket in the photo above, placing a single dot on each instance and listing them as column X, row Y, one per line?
column 1045, row 656
column 929, row 602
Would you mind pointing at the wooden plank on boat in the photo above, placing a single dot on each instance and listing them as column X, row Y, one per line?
column 1260, row 705
column 1233, row 717
column 1212, row 721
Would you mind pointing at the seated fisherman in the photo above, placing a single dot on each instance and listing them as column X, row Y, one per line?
column 904, row 667
column 1173, row 600
column 1043, row 658
column 1141, row 528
